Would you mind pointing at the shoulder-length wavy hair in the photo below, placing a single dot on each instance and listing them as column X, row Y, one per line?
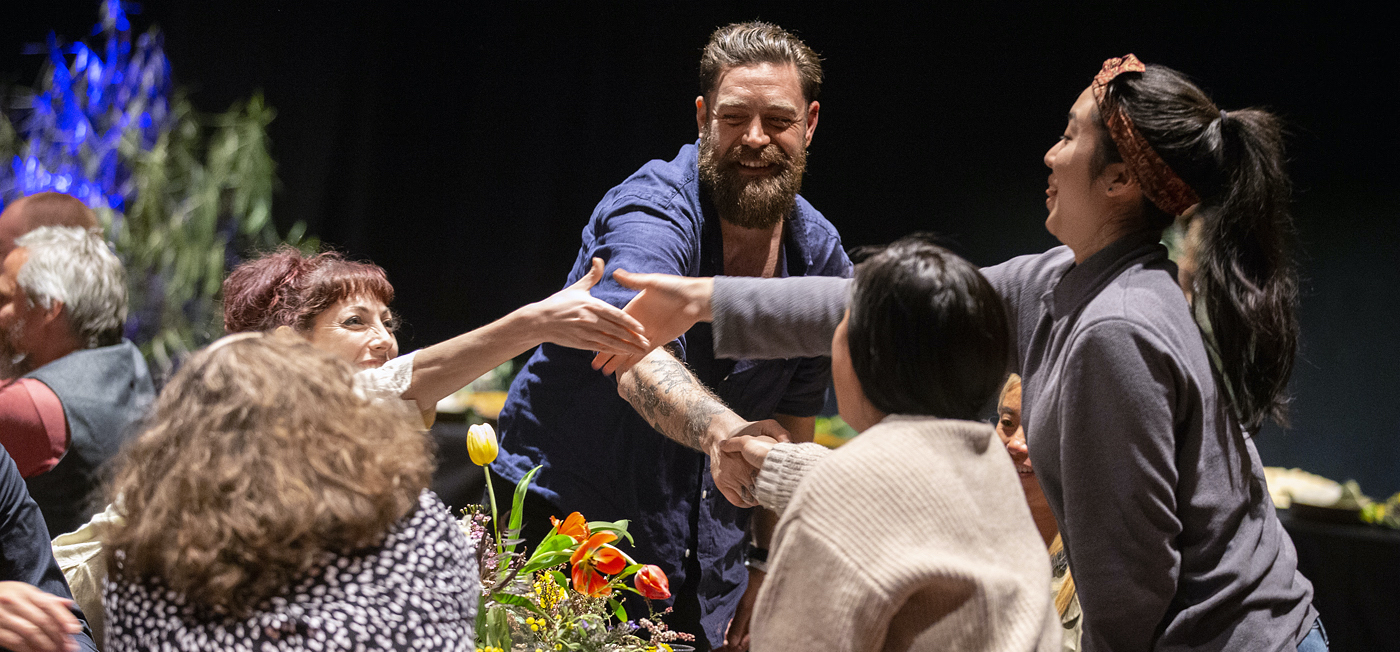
column 289, row 288
column 259, row 462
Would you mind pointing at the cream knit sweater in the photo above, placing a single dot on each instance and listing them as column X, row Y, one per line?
column 913, row 536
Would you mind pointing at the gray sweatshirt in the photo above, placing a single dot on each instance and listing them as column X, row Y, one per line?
column 1159, row 496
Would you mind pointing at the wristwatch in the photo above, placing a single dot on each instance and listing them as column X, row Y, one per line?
column 757, row 559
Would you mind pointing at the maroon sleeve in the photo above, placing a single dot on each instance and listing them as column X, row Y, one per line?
column 32, row 426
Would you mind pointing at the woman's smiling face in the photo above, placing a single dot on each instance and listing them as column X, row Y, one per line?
column 359, row 330
column 1075, row 196
column 1009, row 428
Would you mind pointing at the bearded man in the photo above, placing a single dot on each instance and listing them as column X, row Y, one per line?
column 72, row 386
column 726, row 205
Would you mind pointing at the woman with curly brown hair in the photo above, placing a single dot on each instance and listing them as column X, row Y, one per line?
column 270, row 507
column 342, row 306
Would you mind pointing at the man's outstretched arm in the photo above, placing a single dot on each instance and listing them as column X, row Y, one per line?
column 679, row 406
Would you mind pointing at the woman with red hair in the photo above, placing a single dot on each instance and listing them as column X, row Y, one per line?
column 342, row 306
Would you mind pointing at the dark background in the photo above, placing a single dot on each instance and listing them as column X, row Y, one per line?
column 462, row 145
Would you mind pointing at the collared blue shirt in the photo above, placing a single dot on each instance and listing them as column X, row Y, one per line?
column 599, row 456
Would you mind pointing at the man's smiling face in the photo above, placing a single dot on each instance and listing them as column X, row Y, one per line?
column 755, row 130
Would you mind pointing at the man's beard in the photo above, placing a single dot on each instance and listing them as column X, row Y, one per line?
column 13, row 363
column 754, row 203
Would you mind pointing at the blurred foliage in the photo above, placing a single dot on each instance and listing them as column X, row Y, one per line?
column 832, row 431
column 181, row 194
column 1383, row 513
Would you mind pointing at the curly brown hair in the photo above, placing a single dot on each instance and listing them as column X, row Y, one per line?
column 259, row 462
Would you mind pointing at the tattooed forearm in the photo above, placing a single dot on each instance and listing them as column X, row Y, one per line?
column 669, row 397
column 699, row 412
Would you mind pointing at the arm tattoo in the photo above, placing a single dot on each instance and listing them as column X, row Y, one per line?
column 670, row 398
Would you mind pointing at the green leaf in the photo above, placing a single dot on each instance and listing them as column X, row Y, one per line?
column 518, row 601
column 617, row 609
column 555, row 543
column 493, row 626
column 517, row 505
column 559, row 579
column 616, row 527
column 546, row 560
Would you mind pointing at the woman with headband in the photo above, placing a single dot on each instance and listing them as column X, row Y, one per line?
column 1140, row 408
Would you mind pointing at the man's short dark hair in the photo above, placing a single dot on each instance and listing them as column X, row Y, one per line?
column 927, row 333
column 746, row 44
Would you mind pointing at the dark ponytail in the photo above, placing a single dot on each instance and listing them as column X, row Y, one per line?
column 1246, row 287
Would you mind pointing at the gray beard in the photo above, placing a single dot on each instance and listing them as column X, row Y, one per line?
column 13, row 363
column 745, row 202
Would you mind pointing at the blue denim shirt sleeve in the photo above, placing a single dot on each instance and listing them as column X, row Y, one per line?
column 636, row 233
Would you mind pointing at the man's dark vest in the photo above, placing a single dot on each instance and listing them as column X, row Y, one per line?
column 104, row 391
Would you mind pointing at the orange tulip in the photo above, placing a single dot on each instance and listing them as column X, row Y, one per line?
column 651, row 582
column 573, row 525
column 593, row 556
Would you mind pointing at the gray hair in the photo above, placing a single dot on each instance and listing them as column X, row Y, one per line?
column 75, row 267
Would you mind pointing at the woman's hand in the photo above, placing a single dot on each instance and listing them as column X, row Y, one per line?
column 736, row 460
column 572, row 317
column 754, row 449
column 667, row 306
column 32, row 620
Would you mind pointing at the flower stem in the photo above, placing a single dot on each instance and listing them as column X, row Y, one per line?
column 495, row 521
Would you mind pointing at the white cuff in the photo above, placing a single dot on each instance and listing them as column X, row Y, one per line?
column 783, row 470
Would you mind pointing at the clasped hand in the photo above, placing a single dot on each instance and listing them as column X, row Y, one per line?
column 667, row 307
column 572, row 317
column 736, row 461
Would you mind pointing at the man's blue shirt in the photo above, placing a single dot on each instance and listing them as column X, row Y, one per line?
column 599, row 456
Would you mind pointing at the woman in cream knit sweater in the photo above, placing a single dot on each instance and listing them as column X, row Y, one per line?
column 916, row 535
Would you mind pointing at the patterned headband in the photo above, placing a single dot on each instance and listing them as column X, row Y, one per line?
column 1161, row 185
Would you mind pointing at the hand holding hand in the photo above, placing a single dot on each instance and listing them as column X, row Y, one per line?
column 667, row 307
column 34, row 621
column 572, row 317
column 754, row 449
column 730, row 464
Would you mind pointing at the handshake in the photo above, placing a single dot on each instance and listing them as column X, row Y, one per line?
column 666, row 307
column 736, row 460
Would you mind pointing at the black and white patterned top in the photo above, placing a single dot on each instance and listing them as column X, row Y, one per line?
column 419, row 591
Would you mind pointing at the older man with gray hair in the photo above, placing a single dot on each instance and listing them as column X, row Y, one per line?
column 73, row 386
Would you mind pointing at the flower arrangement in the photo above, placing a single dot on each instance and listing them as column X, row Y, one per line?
column 528, row 603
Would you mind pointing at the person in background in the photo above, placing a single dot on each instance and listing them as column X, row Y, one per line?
column 269, row 506
column 1013, row 436
column 42, row 209
column 74, row 387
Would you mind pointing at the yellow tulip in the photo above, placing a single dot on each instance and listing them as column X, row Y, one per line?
column 481, row 444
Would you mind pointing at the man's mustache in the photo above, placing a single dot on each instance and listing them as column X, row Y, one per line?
column 740, row 153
